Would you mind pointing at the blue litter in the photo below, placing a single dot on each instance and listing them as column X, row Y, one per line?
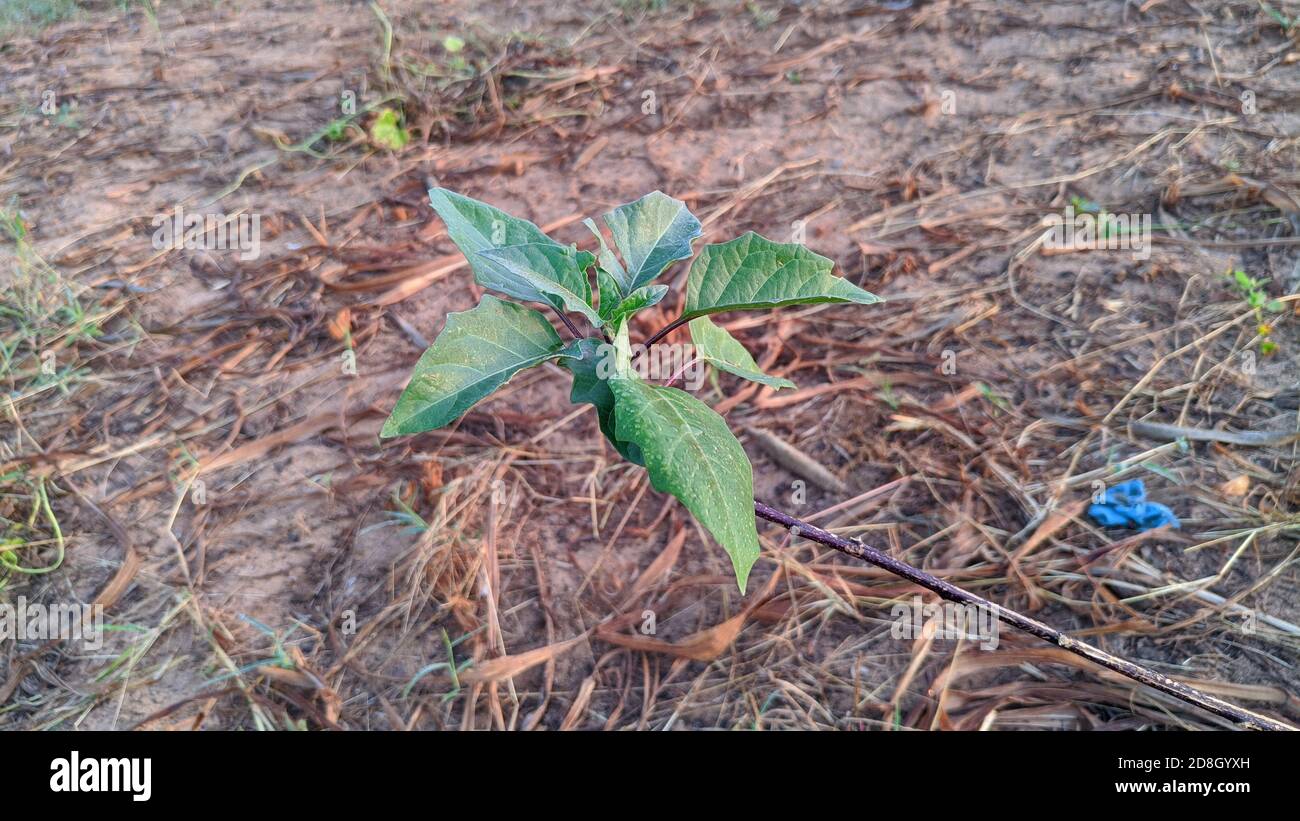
column 1126, row 505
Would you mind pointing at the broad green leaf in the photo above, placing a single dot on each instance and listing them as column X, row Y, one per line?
column 476, row 226
column 608, row 261
column 558, row 272
column 650, row 233
column 751, row 273
column 691, row 453
column 642, row 297
column 607, row 288
column 476, row 353
column 713, row 344
column 591, row 386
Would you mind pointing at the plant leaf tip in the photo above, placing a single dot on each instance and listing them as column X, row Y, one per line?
column 742, row 573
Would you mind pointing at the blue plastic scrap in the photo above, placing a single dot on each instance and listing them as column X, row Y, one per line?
column 1126, row 505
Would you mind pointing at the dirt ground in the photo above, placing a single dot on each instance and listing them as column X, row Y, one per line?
column 204, row 427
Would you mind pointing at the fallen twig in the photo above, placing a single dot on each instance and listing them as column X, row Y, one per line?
column 1240, row 716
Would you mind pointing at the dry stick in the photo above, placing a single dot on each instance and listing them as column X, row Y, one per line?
column 871, row 555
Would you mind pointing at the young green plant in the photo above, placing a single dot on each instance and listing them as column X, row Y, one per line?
column 687, row 448
column 684, row 444
column 1253, row 291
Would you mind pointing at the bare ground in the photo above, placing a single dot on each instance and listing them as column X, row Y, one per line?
column 213, row 466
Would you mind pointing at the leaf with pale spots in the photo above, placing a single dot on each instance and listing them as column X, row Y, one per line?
column 754, row 273
column 719, row 348
column 650, row 233
column 692, row 454
column 559, row 274
column 476, row 227
column 477, row 352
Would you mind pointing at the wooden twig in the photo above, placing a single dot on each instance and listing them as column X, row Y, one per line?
column 858, row 550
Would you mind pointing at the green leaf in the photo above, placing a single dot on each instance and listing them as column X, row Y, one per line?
column 386, row 132
column 608, row 262
column 642, row 297
column 752, row 272
column 476, row 353
column 476, row 226
column 558, row 272
column 650, row 233
column 591, row 386
column 691, row 453
column 713, row 344
column 607, row 288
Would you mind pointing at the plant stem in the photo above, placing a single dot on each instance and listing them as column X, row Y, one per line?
column 568, row 323
column 1242, row 717
column 677, row 375
column 667, row 329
